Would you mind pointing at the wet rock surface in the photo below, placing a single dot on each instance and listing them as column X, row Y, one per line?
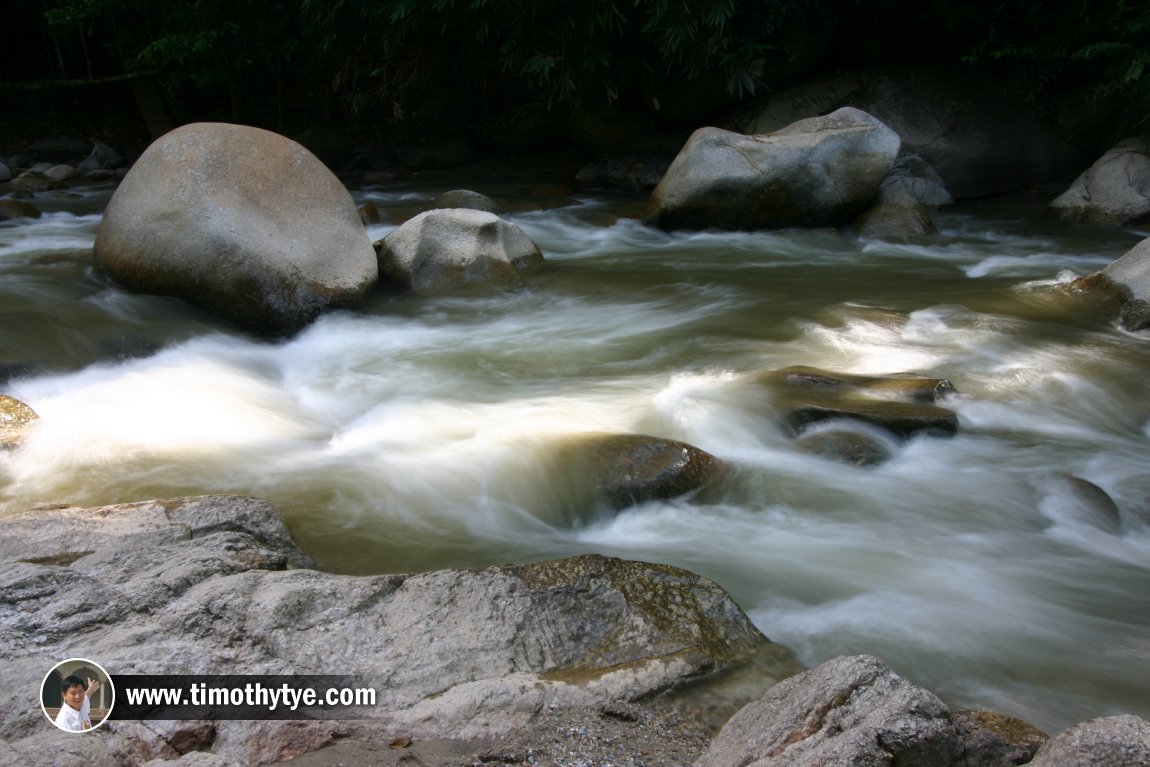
column 626, row 469
column 902, row 405
column 851, row 711
column 848, row 446
column 1128, row 279
column 211, row 585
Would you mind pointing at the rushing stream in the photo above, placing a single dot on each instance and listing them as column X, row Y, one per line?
column 418, row 433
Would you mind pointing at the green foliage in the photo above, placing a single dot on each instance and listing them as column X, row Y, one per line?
column 596, row 50
column 1106, row 44
column 390, row 58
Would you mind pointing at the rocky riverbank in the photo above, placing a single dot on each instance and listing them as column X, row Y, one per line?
column 582, row 661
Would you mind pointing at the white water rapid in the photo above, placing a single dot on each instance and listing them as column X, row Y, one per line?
column 417, row 433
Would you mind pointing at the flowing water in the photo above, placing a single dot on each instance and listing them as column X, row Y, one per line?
column 419, row 433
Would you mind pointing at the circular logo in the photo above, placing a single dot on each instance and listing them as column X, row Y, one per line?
column 77, row 695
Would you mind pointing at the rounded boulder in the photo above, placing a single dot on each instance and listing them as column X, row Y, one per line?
column 238, row 221
column 822, row 171
column 453, row 248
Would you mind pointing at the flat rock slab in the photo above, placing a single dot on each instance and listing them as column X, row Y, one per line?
column 214, row 585
column 901, row 405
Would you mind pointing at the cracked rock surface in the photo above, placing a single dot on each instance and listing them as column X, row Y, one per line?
column 214, row 585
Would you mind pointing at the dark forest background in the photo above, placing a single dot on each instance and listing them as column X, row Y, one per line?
column 417, row 69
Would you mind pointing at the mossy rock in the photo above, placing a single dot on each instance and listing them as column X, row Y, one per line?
column 994, row 738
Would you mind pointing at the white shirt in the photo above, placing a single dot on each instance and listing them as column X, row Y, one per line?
column 72, row 720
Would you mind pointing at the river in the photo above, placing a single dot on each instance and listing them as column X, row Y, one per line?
column 418, row 433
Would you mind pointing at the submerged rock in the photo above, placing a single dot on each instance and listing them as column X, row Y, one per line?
column 454, row 248
column 210, row 585
column 15, row 418
column 241, row 222
column 817, row 172
column 12, row 209
column 1067, row 499
column 626, row 469
column 846, row 445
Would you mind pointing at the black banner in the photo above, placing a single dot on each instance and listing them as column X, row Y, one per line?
column 241, row 696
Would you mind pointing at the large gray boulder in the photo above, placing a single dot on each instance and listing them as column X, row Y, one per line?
column 452, row 248
column 1114, row 741
column 1114, row 190
column 980, row 140
column 816, row 172
column 214, row 585
column 241, row 222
